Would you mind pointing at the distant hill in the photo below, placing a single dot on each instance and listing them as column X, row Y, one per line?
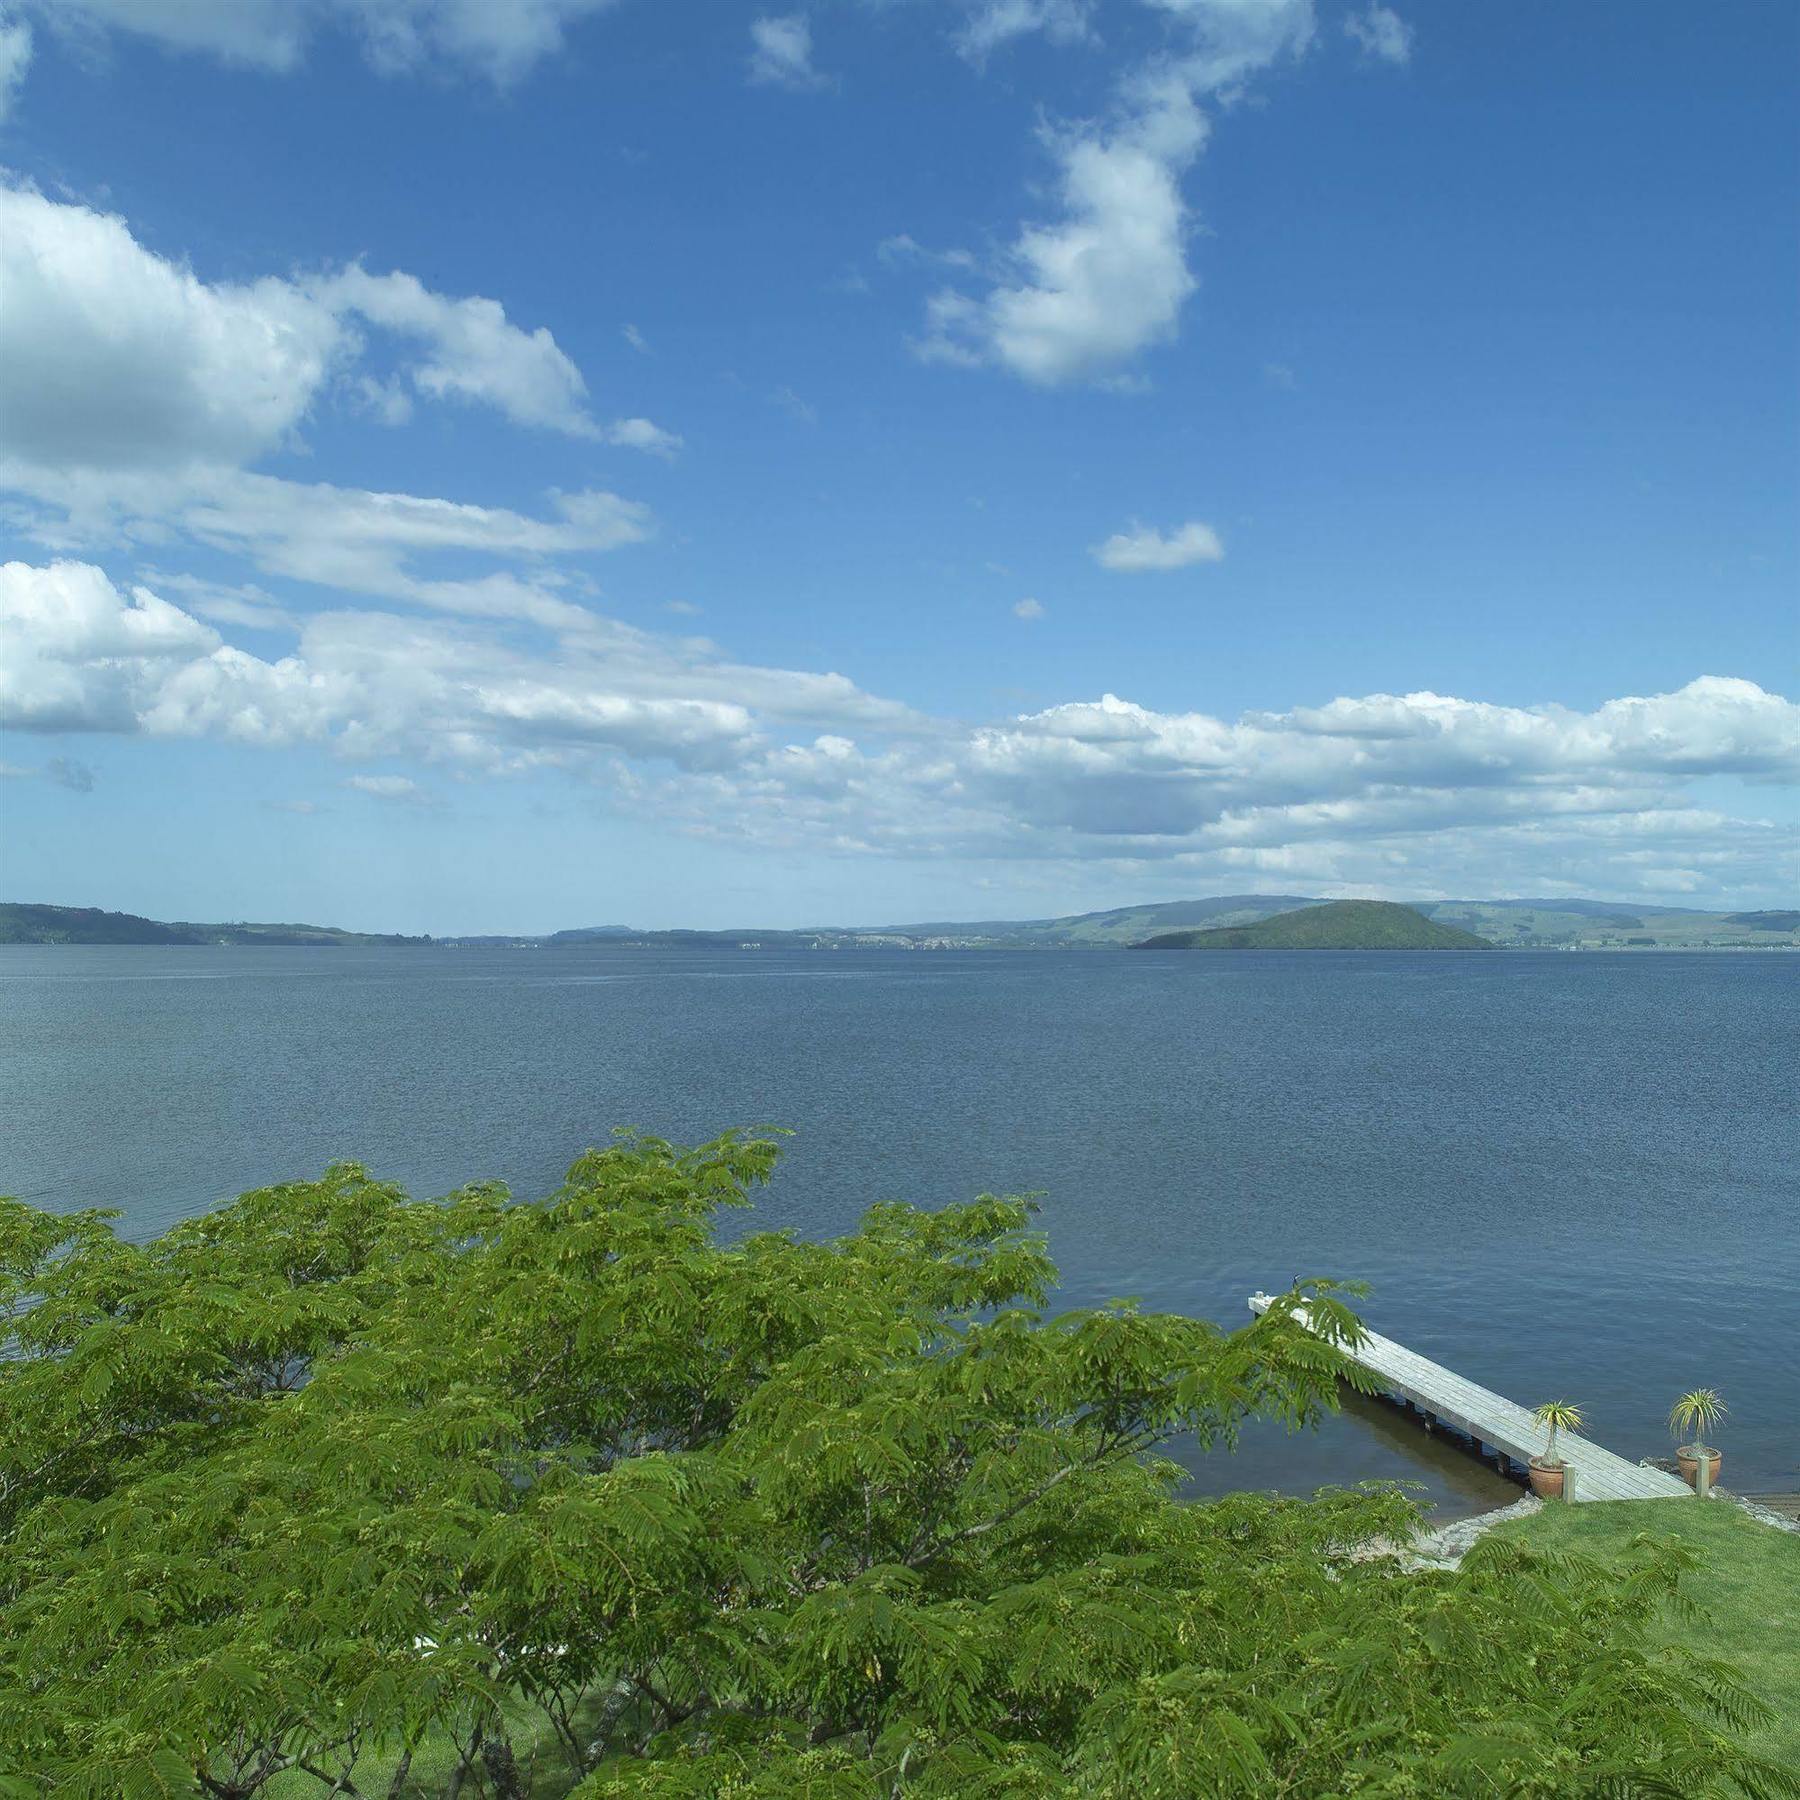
column 1548, row 924
column 1609, row 925
column 1767, row 921
column 22, row 923
column 1115, row 929
column 1584, row 909
column 1120, row 925
column 1337, row 925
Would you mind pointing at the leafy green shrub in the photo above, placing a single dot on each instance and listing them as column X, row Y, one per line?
column 333, row 1485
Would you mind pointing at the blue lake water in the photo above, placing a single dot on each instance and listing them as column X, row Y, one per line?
column 1564, row 1175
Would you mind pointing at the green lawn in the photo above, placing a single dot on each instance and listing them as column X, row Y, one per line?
column 1749, row 1588
column 546, row 1769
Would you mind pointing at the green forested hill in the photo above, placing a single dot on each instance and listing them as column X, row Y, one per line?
column 1338, row 925
column 22, row 923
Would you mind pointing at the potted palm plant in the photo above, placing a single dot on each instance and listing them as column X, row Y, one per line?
column 1690, row 1417
column 1548, row 1471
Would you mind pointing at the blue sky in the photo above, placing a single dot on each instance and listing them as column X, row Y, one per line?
column 882, row 460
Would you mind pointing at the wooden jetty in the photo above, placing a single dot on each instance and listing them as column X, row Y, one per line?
column 1502, row 1425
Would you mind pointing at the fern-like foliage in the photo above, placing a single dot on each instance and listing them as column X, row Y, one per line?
column 332, row 1484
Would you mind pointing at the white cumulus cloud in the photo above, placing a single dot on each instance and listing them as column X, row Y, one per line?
column 15, row 59
column 118, row 357
column 781, row 52
column 1419, row 794
column 1082, row 295
column 992, row 23
column 384, row 787
column 1145, row 548
column 137, row 394
column 1232, row 40
column 640, row 434
column 472, row 351
column 1088, row 292
column 1382, row 33
column 499, row 40
column 77, row 653
column 391, row 546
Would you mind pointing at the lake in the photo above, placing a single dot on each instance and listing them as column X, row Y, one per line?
column 1564, row 1175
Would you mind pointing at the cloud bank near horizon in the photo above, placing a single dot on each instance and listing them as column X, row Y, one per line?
column 1419, row 793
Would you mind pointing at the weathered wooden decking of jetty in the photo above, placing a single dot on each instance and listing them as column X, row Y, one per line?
column 1490, row 1419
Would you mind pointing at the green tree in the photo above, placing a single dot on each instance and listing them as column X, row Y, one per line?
column 316, row 1489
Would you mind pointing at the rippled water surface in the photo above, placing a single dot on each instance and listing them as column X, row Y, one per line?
column 1562, row 1174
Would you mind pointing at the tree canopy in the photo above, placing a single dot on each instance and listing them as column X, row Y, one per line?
column 337, row 1492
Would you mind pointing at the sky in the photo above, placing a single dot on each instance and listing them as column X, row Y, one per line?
column 474, row 467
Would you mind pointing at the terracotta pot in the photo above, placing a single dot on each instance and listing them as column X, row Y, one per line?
column 1687, row 1460
column 1546, row 1479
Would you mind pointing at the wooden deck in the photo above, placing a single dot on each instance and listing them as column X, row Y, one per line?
column 1503, row 1425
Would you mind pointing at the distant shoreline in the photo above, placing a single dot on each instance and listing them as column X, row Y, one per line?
column 1549, row 924
column 463, row 946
